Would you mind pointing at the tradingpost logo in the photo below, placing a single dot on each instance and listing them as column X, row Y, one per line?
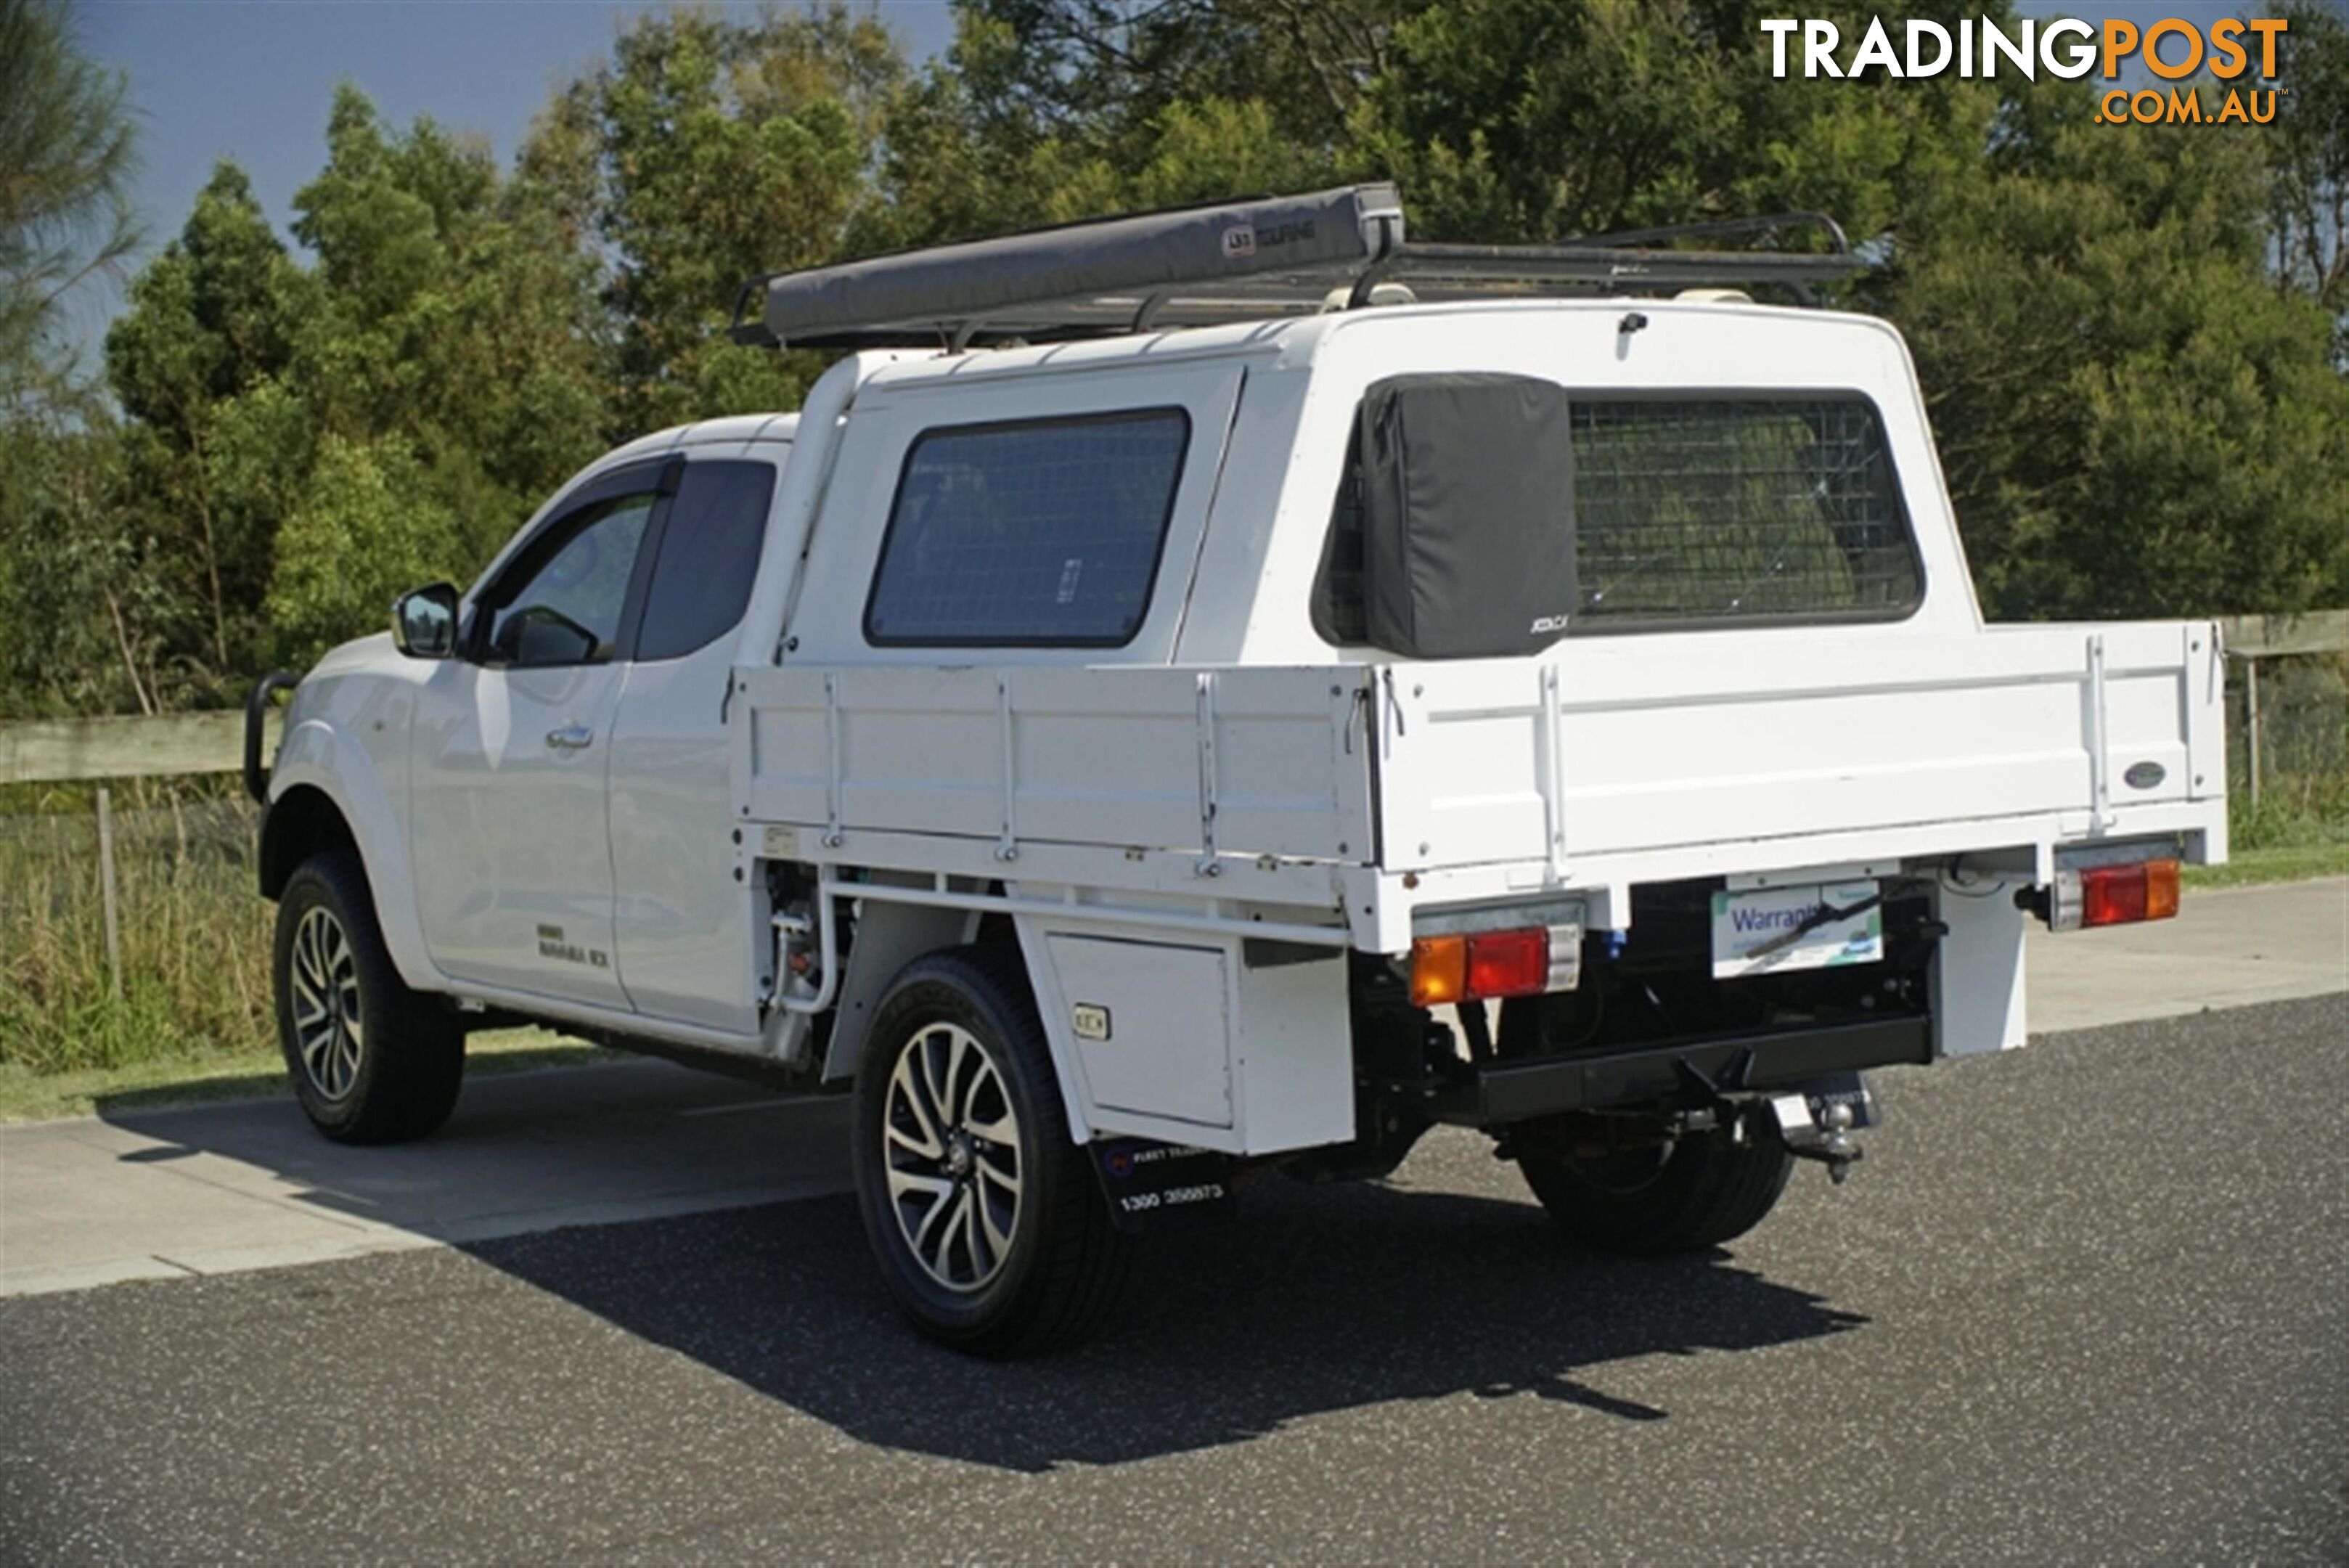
column 2240, row 52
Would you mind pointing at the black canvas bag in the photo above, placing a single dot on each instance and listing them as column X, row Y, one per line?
column 1466, row 514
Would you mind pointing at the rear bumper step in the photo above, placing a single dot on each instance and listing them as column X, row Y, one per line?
column 1510, row 1091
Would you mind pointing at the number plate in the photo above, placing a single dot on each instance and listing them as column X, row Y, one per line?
column 1754, row 933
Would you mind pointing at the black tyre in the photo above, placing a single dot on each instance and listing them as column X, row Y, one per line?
column 371, row 1061
column 987, row 1222
column 1685, row 1197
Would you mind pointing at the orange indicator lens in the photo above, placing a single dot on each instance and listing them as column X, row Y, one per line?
column 1439, row 971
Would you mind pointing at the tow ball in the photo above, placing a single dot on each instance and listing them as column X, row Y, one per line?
column 1814, row 1120
column 1824, row 1137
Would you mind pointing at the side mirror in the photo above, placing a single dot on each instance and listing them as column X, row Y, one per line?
column 424, row 622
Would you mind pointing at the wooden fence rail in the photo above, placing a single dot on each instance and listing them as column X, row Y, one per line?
column 2272, row 636
column 50, row 750
column 2251, row 637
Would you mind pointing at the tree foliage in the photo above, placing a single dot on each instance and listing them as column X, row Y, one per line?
column 365, row 527
column 707, row 150
column 2131, row 338
column 66, row 156
column 1516, row 120
column 198, row 364
column 445, row 349
column 2133, row 417
column 2308, row 195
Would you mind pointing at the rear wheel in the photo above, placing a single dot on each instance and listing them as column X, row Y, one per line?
column 988, row 1226
column 371, row 1059
column 1681, row 1197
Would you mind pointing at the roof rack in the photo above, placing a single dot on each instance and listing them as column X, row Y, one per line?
column 1250, row 259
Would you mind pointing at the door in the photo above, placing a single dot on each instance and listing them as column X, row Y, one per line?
column 511, row 751
column 684, row 931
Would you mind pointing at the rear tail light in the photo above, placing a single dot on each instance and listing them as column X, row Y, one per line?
column 1526, row 961
column 2114, row 895
column 1508, row 963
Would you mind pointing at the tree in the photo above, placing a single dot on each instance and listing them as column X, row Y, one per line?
column 2133, row 420
column 1102, row 73
column 446, row 359
column 2308, row 148
column 1505, row 119
column 456, row 317
column 197, row 365
column 1049, row 111
column 706, row 152
column 366, row 527
column 66, row 156
column 76, row 615
column 1538, row 120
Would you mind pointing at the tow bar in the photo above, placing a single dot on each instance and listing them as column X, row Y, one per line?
column 1814, row 1120
column 1823, row 1133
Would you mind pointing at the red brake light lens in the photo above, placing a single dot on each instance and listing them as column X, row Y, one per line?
column 1508, row 963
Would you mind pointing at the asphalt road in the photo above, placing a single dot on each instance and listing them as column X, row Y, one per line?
column 2087, row 1302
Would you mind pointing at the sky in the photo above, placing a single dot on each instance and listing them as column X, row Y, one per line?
column 253, row 79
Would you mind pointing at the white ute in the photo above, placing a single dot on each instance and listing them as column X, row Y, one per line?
column 1172, row 676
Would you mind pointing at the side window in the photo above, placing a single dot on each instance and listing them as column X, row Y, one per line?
column 571, row 587
column 1041, row 532
column 708, row 554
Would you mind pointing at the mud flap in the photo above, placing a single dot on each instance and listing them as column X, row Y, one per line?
column 1152, row 1186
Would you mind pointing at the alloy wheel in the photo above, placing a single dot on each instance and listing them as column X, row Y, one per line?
column 950, row 1146
column 325, row 983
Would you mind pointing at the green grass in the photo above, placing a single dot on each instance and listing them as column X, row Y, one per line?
column 27, row 1095
column 193, row 1020
column 194, row 931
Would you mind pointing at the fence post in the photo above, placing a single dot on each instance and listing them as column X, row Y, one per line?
column 106, row 886
column 2252, row 722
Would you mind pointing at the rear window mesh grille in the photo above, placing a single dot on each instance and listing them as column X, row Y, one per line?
column 1690, row 511
column 1737, row 509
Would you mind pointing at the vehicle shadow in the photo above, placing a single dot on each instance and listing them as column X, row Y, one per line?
column 1313, row 1299
column 1449, row 1283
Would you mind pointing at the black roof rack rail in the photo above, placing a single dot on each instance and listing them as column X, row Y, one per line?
column 1251, row 259
column 1725, row 228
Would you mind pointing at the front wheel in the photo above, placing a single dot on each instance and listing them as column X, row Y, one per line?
column 988, row 1226
column 371, row 1059
column 1681, row 1197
